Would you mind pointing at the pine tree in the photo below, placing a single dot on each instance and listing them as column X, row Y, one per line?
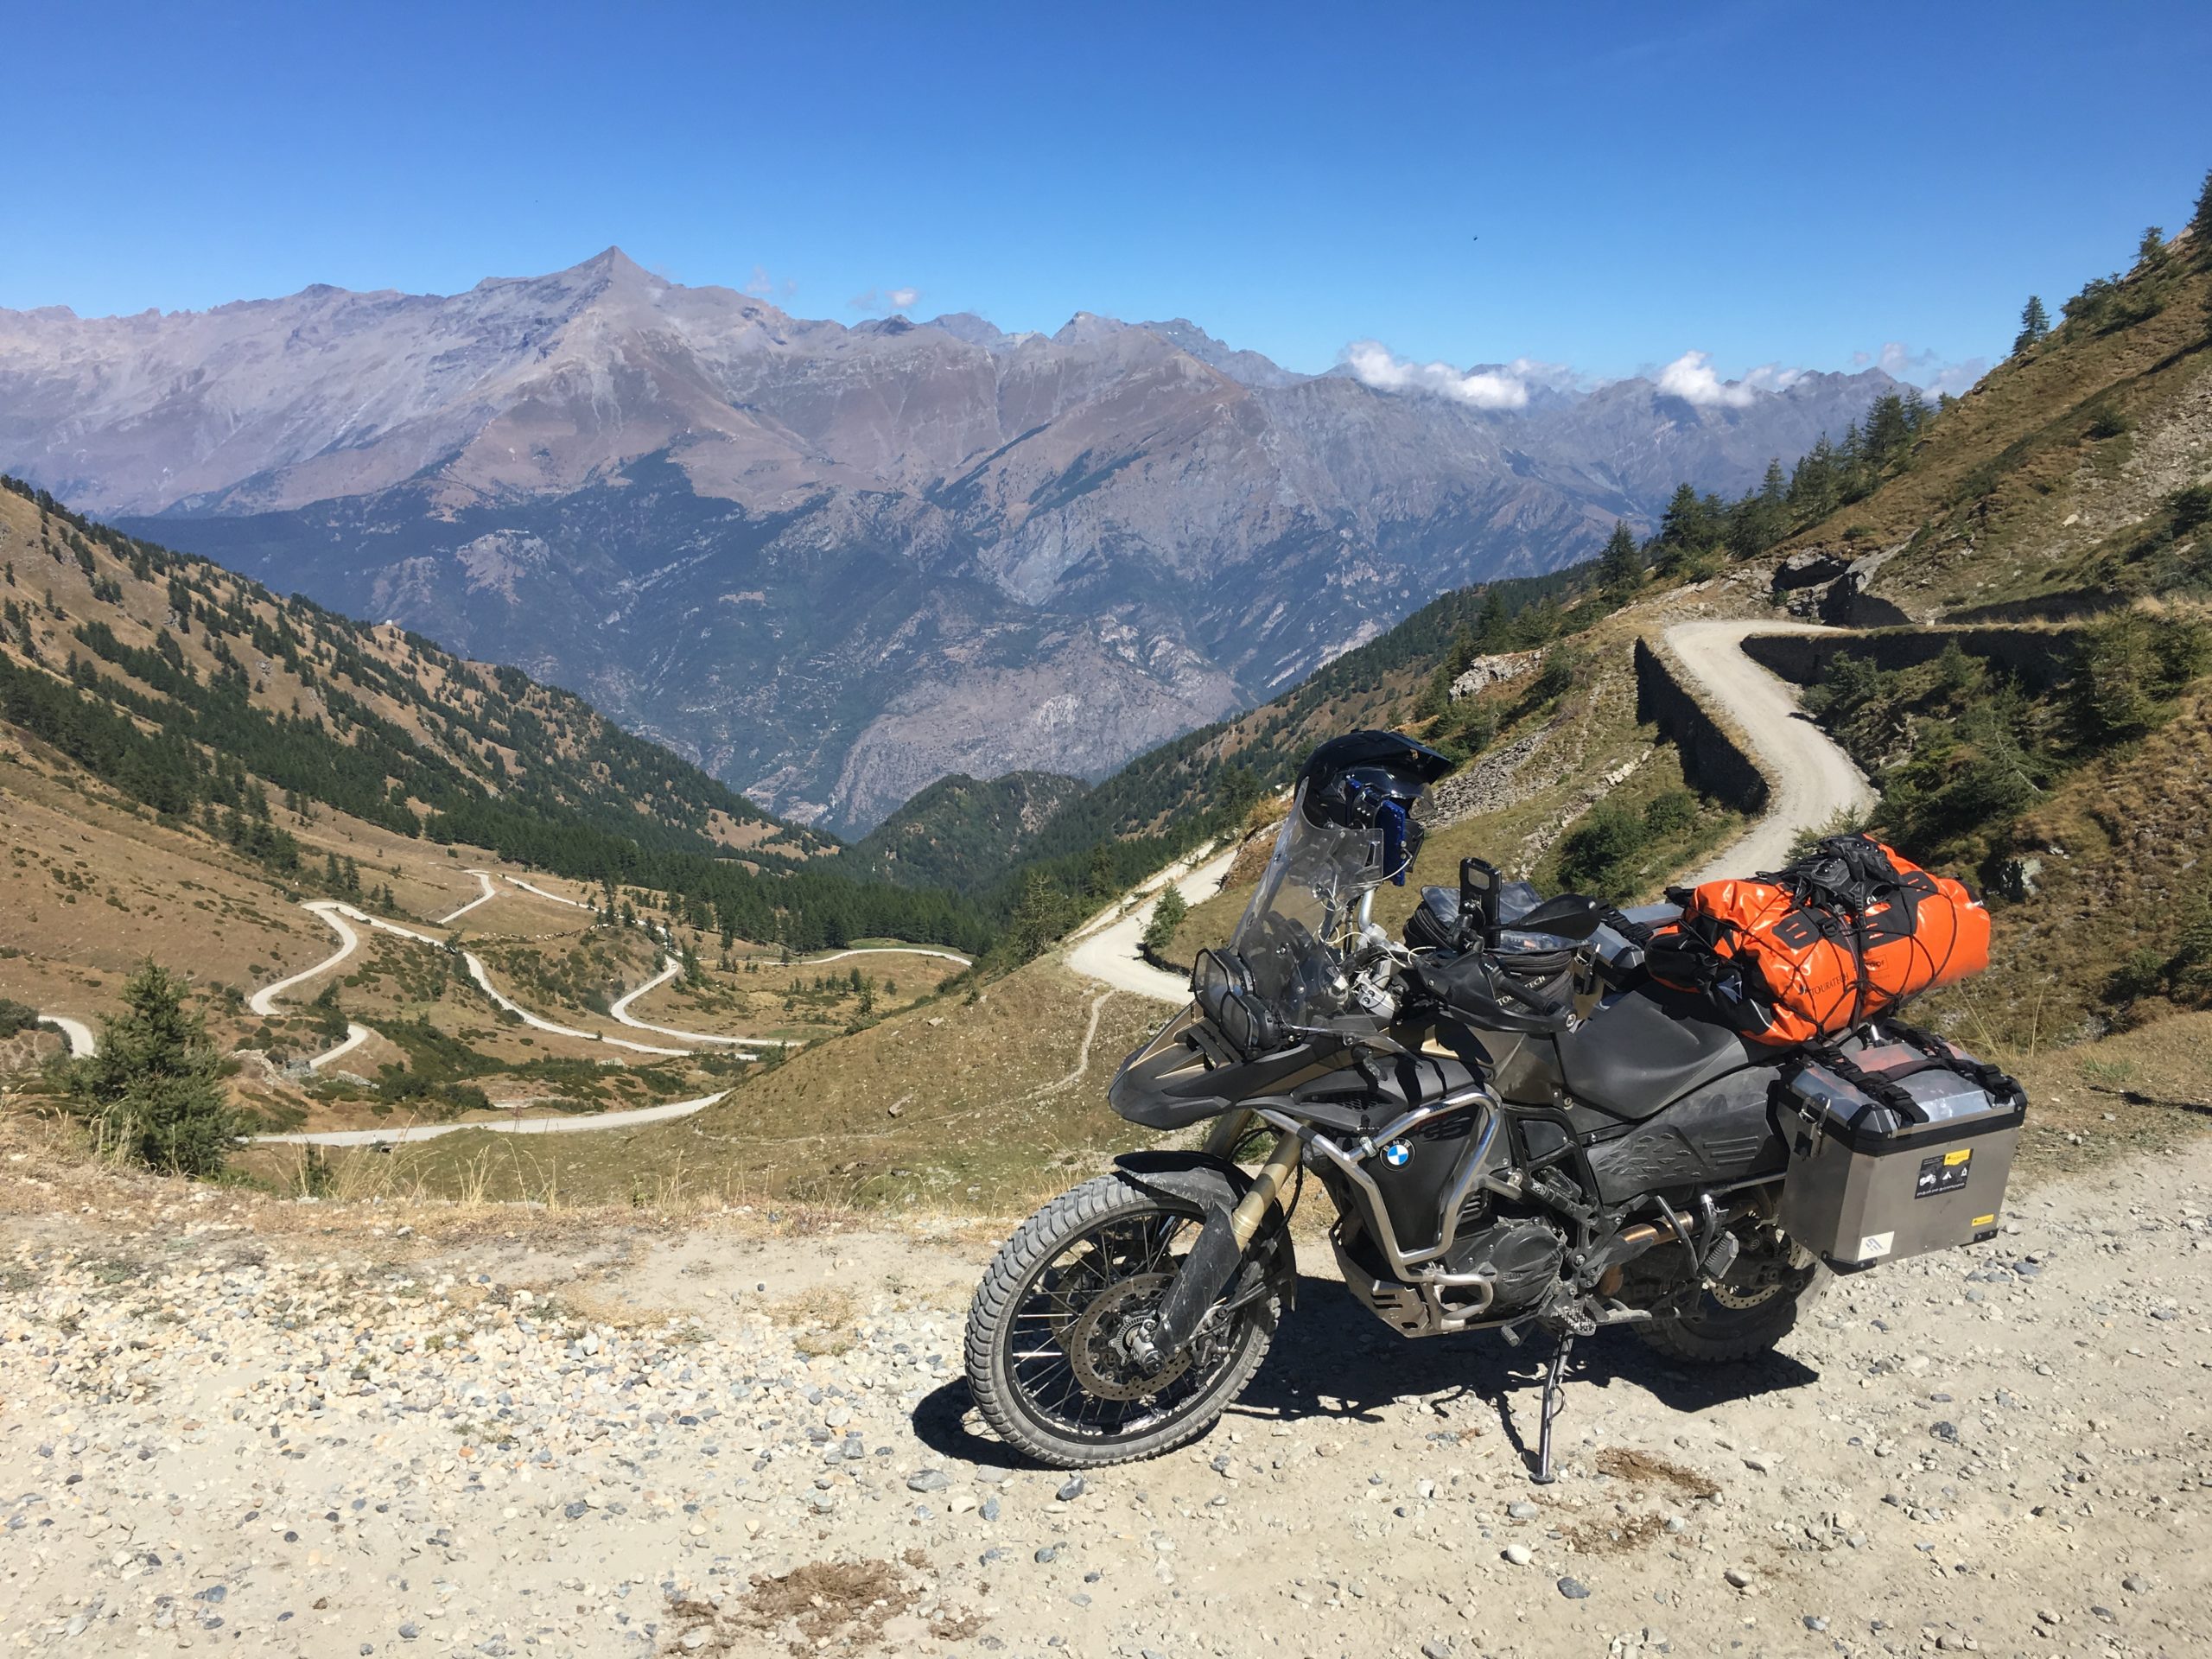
column 2035, row 324
column 152, row 1086
column 1494, row 628
column 1167, row 914
column 1620, row 570
column 1036, row 921
column 2200, row 222
column 2151, row 252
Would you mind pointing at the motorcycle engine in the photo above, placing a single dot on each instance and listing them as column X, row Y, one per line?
column 1521, row 1253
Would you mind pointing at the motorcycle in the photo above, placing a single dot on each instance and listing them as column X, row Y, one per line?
column 1517, row 1128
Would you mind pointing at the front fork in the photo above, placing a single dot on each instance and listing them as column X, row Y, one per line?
column 1218, row 1251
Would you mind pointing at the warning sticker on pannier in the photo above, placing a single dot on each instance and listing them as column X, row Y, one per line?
column 1945, row 1172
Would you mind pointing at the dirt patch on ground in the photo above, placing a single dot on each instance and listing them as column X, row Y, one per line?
column 1648, row 1469
column 830, row 1600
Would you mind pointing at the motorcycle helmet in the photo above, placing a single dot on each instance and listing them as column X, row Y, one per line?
column 1369, row 781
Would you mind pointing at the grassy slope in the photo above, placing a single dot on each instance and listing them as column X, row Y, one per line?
column 949, row 1105
column 2013, row 498
column 542, row 742
column 2011, row 494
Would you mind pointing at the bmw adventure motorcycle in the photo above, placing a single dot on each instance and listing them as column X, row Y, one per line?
column 1518, row 1130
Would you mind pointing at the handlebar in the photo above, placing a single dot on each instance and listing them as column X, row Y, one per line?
column 1475, row 988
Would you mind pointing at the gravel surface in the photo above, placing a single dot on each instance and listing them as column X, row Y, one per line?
column 227, row 1425
column 1811, row 777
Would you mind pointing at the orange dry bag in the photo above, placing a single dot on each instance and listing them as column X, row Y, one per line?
column 1844, row 934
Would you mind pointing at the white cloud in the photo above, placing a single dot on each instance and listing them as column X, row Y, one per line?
column 885, row 298
column 1691, row 377
column 1374, row 365
column 1554, row 377
column 762, row 285
column 1924, row 368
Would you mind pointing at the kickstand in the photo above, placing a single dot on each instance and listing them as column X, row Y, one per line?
column 1554, row 1402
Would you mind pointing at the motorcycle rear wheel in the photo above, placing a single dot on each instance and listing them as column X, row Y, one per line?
column 1753, row 1308
column 1042, row 1364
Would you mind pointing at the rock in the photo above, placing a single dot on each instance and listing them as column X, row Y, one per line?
column 1074, row 1487
column 1815, row 1622
column 1519, row 1554
column 1762, row 1462
column 1522, row 1511
column 1808, row 569
column 1574, row 1589
column 1046, row 1555
column 2135, row 1585
column 1496, row 669
column 928, row 1480
column 1738, row 1576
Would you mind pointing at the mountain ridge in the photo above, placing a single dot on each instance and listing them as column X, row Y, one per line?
column 832, row 563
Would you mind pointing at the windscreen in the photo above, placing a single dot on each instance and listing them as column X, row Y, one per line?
column 1304, row 912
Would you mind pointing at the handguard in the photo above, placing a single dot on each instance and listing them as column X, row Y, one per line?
column 1473, row 989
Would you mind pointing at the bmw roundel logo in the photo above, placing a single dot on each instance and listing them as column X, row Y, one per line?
column 1397, row 1154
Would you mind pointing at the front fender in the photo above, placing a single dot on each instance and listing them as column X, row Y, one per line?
column 1210, row 1183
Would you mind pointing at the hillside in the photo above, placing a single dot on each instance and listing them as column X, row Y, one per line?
column 2072, row 486
column 965, row 833
column 831, row 564
column 201, row 696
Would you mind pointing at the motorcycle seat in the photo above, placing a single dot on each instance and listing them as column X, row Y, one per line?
column 1644, row 1051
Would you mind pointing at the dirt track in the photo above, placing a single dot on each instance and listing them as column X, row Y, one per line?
column 1812, row 779
column 214, row 1436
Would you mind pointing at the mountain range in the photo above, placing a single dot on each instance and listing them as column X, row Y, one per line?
column 832, row 564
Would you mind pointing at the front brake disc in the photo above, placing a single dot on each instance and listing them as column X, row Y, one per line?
column 1103, row 1369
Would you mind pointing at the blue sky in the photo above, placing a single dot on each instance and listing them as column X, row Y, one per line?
column 1788, row 184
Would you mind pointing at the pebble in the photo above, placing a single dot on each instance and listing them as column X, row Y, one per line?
column 411, row 1429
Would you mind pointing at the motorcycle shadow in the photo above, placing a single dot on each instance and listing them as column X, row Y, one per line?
column 1331, row 1361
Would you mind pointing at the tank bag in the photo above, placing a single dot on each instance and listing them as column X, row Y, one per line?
column 1844, row 934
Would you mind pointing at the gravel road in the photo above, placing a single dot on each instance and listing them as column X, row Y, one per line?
column 258, row 1427
column 1812, row 779
column 1105, row 948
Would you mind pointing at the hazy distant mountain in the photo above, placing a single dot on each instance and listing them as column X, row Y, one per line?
column 833, row 564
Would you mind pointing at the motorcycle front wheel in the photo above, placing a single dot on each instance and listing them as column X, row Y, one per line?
column 1045, row 1363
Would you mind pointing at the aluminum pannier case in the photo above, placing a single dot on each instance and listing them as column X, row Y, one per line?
column 1898, row 1146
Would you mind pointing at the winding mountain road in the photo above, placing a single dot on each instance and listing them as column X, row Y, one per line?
column 489, row 893
column 338, row 918
column 1107, row 950
column 1810, row 780
column 636, row 1117
column 620, row 1009
column 79, row 1035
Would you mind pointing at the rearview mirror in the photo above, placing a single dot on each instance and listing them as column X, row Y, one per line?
column 1570, row 916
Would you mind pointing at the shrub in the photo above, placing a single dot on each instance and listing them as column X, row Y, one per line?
column 15, row 1016
column 2131, row 669
column 1167, row 913
column 2191, row 508
column 152, row 1090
